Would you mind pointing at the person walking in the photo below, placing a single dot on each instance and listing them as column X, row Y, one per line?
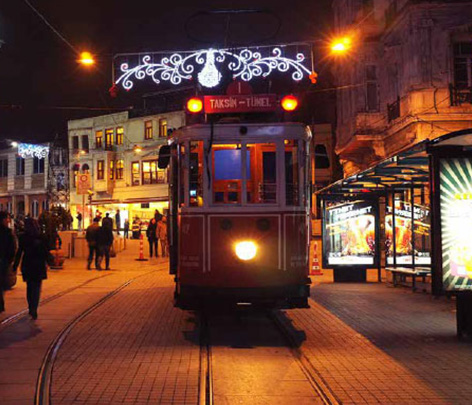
column 107, row 221
column 105, row 241
column 91, row 235
column 126, row 229
column 151, row 234
column 118, row 221
column 162, row 232
column 79, row 220
column 33, row 253
column 7, row 254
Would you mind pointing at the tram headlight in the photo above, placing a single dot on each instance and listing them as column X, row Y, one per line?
column 246, row 250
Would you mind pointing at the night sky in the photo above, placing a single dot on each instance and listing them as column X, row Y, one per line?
column 39, row 74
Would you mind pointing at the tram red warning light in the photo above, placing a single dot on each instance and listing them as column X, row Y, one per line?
column 289, row 103
column 195, row 105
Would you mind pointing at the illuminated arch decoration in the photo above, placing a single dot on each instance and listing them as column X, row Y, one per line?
column 245, row 64
column 26, row 150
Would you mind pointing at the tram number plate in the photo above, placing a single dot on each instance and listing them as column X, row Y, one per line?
column 240, row 103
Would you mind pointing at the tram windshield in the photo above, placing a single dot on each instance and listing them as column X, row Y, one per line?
column 248, row 173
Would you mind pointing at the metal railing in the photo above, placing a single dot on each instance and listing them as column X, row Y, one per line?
column 460, row 95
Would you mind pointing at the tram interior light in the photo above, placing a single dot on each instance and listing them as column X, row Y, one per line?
column 246, row 250
column 195, row 105
column 289, row 103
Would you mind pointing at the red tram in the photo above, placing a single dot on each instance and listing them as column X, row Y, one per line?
column 239, row 214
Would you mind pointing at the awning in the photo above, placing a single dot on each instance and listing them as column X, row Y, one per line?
column 143, row 200
column 407, row 169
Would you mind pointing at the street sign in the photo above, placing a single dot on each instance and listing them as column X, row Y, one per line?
column 83, row 183
column 240, row 103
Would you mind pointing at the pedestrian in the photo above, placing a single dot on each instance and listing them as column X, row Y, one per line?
column 105, row 241
column 151, row 234
column 107, row 221
column 126, row 228
column 34, row 254
column 79, row 221
column 157, row 215
column 7, row 254
column 92, row 240
column 136, row 228
column 162, row 232
column 118, row 221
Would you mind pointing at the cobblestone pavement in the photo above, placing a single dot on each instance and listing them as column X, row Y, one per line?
column 136, row 348
column 24, row 343
column 375, row 344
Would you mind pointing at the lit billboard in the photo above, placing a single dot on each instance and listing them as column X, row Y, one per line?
column 455, row 181
column 350, row 233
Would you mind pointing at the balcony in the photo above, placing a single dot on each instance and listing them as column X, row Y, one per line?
column 460, row 95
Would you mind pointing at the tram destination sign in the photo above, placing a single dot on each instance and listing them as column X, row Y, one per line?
column 240, row 103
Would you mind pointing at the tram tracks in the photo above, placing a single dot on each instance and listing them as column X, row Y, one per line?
column 206, row 396
column 44, row 381
column 21, row 314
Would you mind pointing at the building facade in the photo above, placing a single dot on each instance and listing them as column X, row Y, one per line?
column 408, row 76
column 32, row 178
column 119, row 153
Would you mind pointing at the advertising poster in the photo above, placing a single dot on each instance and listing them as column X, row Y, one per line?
column 350, row 233
column 455, row 180
column 404, row 234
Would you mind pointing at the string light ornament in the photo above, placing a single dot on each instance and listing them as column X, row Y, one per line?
column 26, row 150
column 245, row 64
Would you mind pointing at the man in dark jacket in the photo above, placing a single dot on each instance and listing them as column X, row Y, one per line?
column 7, row 253
column 105, row 240
column 151, row 234
column 107, row 221
column 92, row 240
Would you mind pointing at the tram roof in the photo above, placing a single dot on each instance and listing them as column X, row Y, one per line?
column 241, row 131
column 408, row 168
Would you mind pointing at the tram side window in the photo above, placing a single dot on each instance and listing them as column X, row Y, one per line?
column 261, row 181
column 182, row 170
column 196, row 174
column 227, row 174
column 292, row 172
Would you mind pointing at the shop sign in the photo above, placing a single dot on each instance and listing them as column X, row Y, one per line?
column 455, row 182
column 350, row 234
column 83, row 183
column 403, row 234
column 240, row 103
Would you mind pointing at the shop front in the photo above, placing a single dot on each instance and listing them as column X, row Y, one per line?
column 409, row 215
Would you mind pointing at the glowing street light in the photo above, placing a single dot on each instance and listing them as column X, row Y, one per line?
column 86, row 59
column 341, row 45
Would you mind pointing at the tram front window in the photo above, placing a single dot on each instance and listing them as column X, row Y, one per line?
column 227, row 164
column 261, row 181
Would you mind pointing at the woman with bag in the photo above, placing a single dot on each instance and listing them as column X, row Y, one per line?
column 34, row 254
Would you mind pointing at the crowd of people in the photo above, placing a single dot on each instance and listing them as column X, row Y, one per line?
column 100, row 242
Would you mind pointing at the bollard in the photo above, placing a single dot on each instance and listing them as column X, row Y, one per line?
column 141, row 249
column 315, row 268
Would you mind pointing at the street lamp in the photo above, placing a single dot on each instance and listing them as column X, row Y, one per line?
column 86, row 59
column 341, row 45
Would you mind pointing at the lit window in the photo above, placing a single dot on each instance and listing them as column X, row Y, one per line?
column 148, row 130
column 135, row 174
column 108, row 138
column 112, row 169
column 99, row 139
column 119, row 135
column 162, row 127
column 100, row 170
column 38, row 165
column 119, row 169
column 152, row 174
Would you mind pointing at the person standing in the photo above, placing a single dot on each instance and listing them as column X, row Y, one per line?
column 162, row 232
column 7, row 253
column 136, row 228
column 151, row 234
column 107, row 221
column 34, row 254
column 92, row 240
column 126, row 228
column 79, row 220
column 105, row 241
column 118, row 221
